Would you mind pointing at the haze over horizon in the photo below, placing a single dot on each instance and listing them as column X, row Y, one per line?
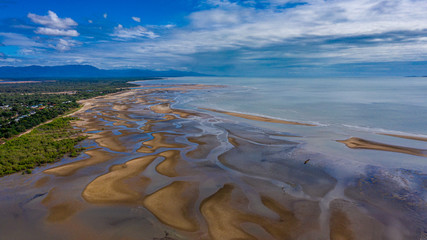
column 221, row 37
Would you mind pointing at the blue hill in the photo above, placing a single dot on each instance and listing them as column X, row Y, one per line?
column 84, row 71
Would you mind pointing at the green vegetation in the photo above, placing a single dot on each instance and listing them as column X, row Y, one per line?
column 25, row 105
column 45, row 144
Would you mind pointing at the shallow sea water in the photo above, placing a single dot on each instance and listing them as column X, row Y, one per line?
column 189, row 173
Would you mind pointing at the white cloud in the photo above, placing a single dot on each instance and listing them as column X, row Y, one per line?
column 57, row 32
column 105, row 15
column 230, row 26
column 327, row 31
column 9, row 61
column 64, row 45
column 52, row 20
column 15, row 39
column 53, row 25
column 89, row 21
column 136, row 19
column 134, row 32
column 169, row 26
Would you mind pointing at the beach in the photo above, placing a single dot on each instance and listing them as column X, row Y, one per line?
column 156, row 170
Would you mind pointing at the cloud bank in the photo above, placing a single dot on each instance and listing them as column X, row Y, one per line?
column 235, row 37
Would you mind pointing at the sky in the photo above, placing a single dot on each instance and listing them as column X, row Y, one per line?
column 221, row 37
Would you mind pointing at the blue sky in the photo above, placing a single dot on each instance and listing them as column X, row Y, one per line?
column 224, row 37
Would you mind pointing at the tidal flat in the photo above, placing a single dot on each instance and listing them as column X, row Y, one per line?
column 155, row 171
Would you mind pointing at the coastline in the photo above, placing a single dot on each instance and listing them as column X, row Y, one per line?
column 163, row 169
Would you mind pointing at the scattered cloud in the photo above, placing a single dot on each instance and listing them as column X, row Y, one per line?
column 136, row 19
column 53, row 25
column 64, row 45
column 134, row 32
column 52, row 20
column 56, row 32
column 16, row 39
column 243, row 34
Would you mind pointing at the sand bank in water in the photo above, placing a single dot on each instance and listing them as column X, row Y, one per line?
column 167, row 167
column 96, row 156
column 173, row 205
column 166, row 108
column 109, row 188
column 257, row 118
column 405, row 136
column 161, row 140
column 109, row 140
column 359, row 143
column 223, row 213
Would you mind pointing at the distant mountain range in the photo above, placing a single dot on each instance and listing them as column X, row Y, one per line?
column 84, row 71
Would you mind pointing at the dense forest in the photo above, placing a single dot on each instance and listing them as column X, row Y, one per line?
column 45, row 144
column 27, row 104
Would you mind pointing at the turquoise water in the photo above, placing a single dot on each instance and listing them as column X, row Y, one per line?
column 342, row 107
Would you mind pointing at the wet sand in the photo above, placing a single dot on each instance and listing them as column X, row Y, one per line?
column 160, row 140
column 157, row 172
column 109, row 188
column 95, row 156
column 174, row 205
column 359, row 143
column 406, row 137
column 257, row 118
column 167, row 166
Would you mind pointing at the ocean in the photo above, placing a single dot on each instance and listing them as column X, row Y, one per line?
column 340, row 107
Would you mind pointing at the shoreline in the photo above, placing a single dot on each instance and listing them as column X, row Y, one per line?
column 153, row 169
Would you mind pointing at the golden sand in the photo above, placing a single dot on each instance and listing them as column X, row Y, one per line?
column 108, row 140
column 109, row 188
column 161, row 108
column 166, row 108
column 167, row 167
column 224, row 217
column 161, row 140
column 257, row 118
column 359, row 143
column 174, row 205
column 96, row 156
column 121, row 107
column 406, row 137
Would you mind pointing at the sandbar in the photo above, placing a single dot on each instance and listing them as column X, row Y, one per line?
column 96, row 156
column 406, row 137
column 257, row 118
column 224, row 216
column 174, row 205
column 359, row 143
column 166, row 108
column 109, row 188
column 108, row 140
column 167, row 167
column 161, row 140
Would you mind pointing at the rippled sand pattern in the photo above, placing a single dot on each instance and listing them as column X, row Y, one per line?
column 153, row 171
